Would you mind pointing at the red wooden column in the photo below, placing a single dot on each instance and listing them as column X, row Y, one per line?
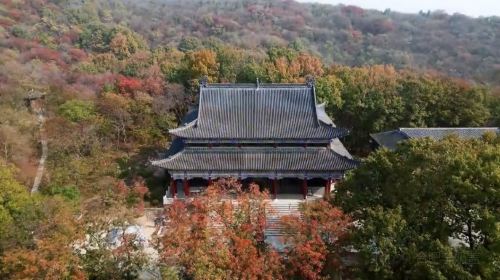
column 186, row 187
column 173, row 188
column 304, row 188
column 209, row 181
column 328, row 185
column 275, row 188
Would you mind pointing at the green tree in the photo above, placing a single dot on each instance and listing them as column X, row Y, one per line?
column 18, row 213
column 77, row 110
column 430, row 193
column 329, row 90
column 125, row 42
column 35, row 234
column 96, row 37
column 189, row 44
column 370, row 101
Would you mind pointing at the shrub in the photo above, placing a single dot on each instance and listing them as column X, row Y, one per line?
column 77, row 110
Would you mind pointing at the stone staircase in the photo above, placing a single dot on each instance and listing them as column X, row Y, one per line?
column 277, row 209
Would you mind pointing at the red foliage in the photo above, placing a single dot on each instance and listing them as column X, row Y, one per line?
column 314, row 241
column 121, row 188
column 380, row 26
column 70, row 37
column 353, row 11
column 77, row 54
column 95, row 81
column 15, row 14
column 154, row 82
column 227, row 234
column 5, row 22
column 128, row 85
column 20, row 43
column 138, row 190
column 44, row 54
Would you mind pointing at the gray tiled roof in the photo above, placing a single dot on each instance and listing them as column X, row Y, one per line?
column 339, row 148
column 322, row 115
column 336, row 145
column 237, row 112
column 441, row 132
column 390, row 139
column 257, row 158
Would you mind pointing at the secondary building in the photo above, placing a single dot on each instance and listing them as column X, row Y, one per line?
column 390, row 139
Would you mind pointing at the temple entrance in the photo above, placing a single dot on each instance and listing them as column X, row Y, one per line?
column 290, row 186
column 197, row 186
column 316, row 187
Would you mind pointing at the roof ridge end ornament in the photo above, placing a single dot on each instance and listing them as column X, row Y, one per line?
column 310, row 81
column 204, row 81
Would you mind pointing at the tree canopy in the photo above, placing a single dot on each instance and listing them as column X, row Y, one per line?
column 213, row 237
column 430, row 207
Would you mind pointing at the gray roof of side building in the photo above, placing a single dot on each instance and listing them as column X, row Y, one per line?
column 236, row 112
column 390, row 139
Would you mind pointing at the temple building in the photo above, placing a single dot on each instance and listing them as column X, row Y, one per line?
column 390, row 139
column 275, row 135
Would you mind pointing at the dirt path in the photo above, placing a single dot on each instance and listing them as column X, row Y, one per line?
column 45, row 151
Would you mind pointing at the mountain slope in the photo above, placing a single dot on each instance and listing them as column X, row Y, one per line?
column 458, row 45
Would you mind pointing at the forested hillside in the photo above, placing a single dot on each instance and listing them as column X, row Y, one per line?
column 118, row 75
column 454, row 44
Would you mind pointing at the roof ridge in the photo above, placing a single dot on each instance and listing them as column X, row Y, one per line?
column 159, row 161
column 385, row 132
column 442, row 128
column 315, row 108
column 181, row 128
column 357, row 162
column 260, row 85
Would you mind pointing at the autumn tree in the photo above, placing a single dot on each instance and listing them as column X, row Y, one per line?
column 36, row 234
column 213, row 237
column 287, row 66
column 176, row 100
column 201, row 63
column 51, row 255
column 113, row 247
column 154, row 80
column 170, row 61
column 118, row 118
column 313, row 241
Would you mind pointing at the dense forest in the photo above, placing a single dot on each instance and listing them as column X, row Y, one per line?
column 454, row 44
column 117, row 75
